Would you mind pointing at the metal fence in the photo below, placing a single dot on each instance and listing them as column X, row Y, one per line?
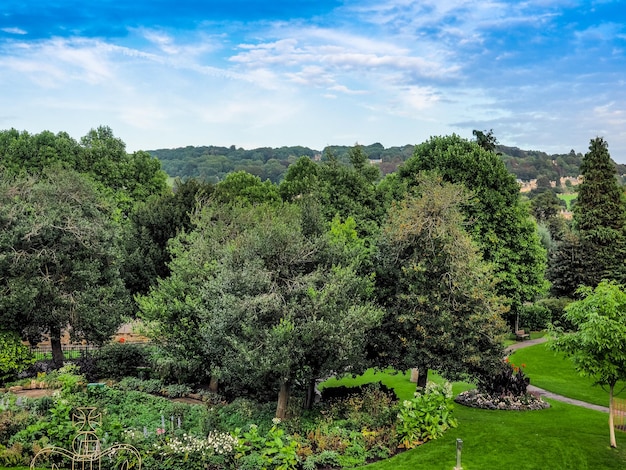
column 43, row 352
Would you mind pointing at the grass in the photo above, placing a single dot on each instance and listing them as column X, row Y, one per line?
column 561, row 437
column 568, row 199
column 554, row 372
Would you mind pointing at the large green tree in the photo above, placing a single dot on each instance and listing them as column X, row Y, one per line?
column 600, row 217
column 597, row 345
column 496, row 217
column 338, row 189
column 152, row 225
column 128, row 178
column 275, row 307
column 442, row 310
column 59, row 259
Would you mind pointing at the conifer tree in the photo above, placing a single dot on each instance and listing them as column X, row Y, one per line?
column 599, row 223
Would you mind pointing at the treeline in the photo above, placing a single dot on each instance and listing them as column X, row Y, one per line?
column 213, row 163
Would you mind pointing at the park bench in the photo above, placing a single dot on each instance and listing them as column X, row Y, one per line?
column 521, row 335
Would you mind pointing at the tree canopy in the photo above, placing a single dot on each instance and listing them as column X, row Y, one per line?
column 59, row 259
column 597, row 346
column 442, row 310
column 273, row 306
column 497, row 219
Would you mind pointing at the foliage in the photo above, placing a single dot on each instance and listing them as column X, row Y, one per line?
column 534, row 317
column 442, row 312
column 14, row 356
column 152, row 224
column 509, row 380
column 152, row 386
column 596, row 346
column 274, row 450
column 426, row 416
column 271, row 307
column 241, row 187
column 59, row 259
column 498, row 221
column 119, row 360
column 556, row 307
column 600, row 218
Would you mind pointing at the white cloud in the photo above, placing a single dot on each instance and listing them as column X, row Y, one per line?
column 18, row 31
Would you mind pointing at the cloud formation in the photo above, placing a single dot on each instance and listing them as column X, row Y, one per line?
column 543, row 74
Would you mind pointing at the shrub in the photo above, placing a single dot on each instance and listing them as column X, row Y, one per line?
column 556, row 306
column 426, row 416
column 337, row 393
column 118, row 360
column 509, row 380
column 14, row 356
column 177, row 391
column 534, row 317
column 274, row 450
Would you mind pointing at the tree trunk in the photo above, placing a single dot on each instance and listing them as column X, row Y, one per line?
column 57, row 350
column 310, row 395
column 422, row 377
column 611, row 425
column 213, row 385
column 283, row 400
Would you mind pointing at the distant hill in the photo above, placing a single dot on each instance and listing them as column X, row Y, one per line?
column 212, row 163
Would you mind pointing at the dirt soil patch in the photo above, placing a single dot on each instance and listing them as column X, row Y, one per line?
column 34, row 392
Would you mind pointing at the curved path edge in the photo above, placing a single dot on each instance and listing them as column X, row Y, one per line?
column 546, row 394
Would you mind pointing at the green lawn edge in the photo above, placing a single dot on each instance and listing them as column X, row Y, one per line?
column 554, row 372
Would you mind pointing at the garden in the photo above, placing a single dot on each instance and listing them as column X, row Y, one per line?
column 375, row 418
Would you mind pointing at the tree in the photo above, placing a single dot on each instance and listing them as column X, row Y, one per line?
column 338, row 189
column 486, row 140
column 152, row 225
column 59, row 259
column 441, row 308
column 547, row 207
column 100, row 155
column 242, row 187
column 600, row 217
column 274, row 307
column 497, row 219
column 596, row 347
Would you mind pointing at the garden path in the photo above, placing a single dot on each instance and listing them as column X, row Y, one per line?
column 544, row 393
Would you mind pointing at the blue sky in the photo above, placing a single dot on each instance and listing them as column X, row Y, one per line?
column 543, row 74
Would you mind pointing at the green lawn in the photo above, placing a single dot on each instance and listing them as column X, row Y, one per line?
column 568, row 199
column 561, row 437
column 554, row 372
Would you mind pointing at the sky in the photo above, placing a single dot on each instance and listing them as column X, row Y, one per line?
column 543, row 74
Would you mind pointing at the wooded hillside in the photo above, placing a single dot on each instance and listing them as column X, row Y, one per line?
column 213, row 163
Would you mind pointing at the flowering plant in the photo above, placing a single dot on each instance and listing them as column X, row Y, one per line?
column 426, row 416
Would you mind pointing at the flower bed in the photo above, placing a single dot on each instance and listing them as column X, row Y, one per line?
column 525, row 402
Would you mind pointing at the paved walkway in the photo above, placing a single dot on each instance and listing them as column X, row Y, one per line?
column 544, row 393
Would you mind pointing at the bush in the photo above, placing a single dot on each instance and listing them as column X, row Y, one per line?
column 509, row 380
column 118, row 360
column 14, row 356
column 274, row 450
column 337, row 393
column 534, row 317
column 556, row 306
column 426, row 416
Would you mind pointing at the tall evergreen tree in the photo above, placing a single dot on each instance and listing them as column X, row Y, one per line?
column 599, row 220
